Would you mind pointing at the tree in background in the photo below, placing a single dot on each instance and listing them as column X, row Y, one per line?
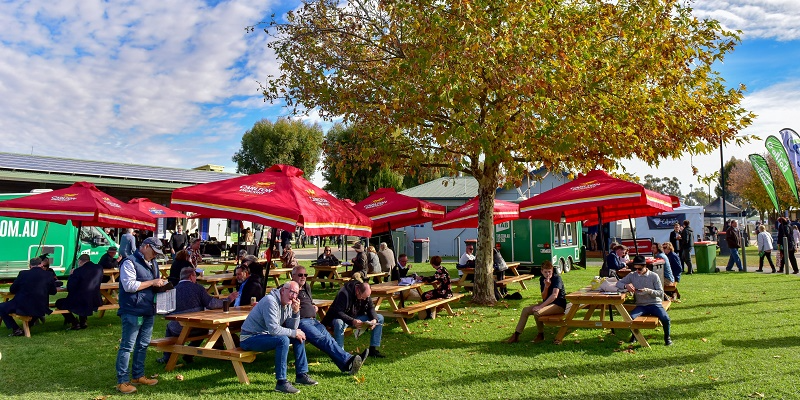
column 495, row 88
column 698, row 197
column 745, row 185
column 729, row 195
column 290, row 142
column 668, row 186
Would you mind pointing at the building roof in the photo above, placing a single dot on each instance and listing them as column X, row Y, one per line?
column 461, row 187
column 36, row 168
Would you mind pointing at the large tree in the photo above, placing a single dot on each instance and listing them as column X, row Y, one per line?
column 495, row 87
column 291, row 142
column 668, row 186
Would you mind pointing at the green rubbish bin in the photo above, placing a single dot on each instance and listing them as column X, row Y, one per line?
column 706, row 256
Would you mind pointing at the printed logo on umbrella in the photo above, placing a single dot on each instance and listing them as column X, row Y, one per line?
column 156, row 211
column 257, row 188
column 376, row 203
column 65, row 197
column 312, row 194
column 111, row 203
column 586, row 186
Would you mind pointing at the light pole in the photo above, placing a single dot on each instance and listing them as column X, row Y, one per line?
column 722, row 179
column 690, row 191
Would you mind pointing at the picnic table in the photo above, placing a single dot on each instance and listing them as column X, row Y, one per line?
column 220, row 326
column 388, row 290
column 512, row 276
column 322, row 307
column 593, row 301
column 112, row 273
column 215, row 282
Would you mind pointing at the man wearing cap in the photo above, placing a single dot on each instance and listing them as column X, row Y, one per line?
column 360, row 264
column 138, row 277
column 31, row 290
column 316, row 333
column 83, row 297
column 648, row 292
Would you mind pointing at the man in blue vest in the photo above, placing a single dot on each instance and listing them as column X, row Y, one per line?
column 138, row 277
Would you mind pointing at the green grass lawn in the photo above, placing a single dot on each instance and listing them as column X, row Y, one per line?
column 736, row 334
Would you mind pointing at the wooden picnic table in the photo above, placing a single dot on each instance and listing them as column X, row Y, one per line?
column 214, row 282
column 112, row 273
column 331, row 270
column 275, row 273
column 595, row 300
column 388, row 291
column 513, row 276
column 322, row 307
column 220, row 325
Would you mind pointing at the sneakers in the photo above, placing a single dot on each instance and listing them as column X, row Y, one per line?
column 355, row 364
column 126, row 388
column 162, row 360
column 304, row 379
column 286, row 387
column 144, row 381
column 375, row 353
column 667, row 341
column 364, row 354
column 17, row 332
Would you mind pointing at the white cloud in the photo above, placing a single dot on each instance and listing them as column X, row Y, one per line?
column 97, row 78
column 755, row 18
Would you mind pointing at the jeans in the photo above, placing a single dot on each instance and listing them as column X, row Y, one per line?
column 656, row 310
column 734, row 259
column 317, row 335
column 280, row 344
column 135, row 338
column 375, row 341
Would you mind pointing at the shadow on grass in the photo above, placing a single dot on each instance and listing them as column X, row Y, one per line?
column 660, row 392
column 763, row 343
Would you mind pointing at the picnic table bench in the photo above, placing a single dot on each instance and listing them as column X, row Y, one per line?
column 593, row 301
column 433, row 304
column 514, row 277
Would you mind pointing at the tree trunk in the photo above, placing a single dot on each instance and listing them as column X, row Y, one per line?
column 483, row 291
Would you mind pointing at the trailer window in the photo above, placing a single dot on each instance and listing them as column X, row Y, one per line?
column 570, row 234
column 86, row 234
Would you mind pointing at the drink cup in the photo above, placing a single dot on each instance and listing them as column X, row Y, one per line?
column 226, row 304
column 253, row 300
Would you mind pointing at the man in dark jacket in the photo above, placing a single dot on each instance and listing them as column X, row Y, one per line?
column 31, row 290
column 110, row 260
column 686, row 242
column 84, row 293
column 353, row 307
column 247, row 286
column 178, row 240
column 785, row 231
column 732, row 239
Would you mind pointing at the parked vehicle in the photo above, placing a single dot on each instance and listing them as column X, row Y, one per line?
column 531, row 242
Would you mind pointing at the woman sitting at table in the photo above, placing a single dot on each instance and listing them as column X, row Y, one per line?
column 553, row 302
column 674, row 261
column 180, row 262
column 440, row 281
column 659, row 253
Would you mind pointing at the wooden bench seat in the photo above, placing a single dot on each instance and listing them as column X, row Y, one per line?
column 169, row 341
column 26, row 327
column 433, row 304
column 514, row 279
column 642, row 322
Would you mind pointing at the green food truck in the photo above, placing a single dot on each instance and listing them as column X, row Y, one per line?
column 23, row 239
column 530, row 242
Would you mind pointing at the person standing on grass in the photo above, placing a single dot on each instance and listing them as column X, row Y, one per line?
column 317, row 335
column 273, row 324
column 732, row 239
column 674, row 261
column 785, row 231
column 553, row 302
column 137, row 308
column 648, row 292
column 686, row 242
column 764, row 242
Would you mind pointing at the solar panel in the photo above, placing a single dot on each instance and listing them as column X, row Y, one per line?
column 67, row 166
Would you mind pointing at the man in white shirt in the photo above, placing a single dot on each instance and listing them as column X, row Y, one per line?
column 467, row 260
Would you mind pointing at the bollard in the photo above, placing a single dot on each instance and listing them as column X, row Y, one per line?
column 785, row 264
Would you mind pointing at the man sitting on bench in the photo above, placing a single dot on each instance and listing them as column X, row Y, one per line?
column 83, row 297
column 353, row 307
column 31, row 290
column 648, row 292
column 190, row 296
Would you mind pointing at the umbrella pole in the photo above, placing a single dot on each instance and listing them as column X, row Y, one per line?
column 44, row 238
column 633, row 233
column 77, row 246
column 603, row 242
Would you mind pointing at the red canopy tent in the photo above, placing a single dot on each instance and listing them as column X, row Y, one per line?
column 388, row 209
column 594, row 197
column 279, row 197
column 155, row 210
column 466, row 216
column 82, row 203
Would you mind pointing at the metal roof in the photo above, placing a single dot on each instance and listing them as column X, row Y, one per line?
column 465, row 187
column 58, row 169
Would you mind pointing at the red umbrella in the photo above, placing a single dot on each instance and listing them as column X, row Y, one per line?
column 594, row 196
column 155, row 210
column 279, row 197
column 466, row 216
column 82, row 203
column 388, row 209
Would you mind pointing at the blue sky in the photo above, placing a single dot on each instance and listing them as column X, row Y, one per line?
column 175, row 83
